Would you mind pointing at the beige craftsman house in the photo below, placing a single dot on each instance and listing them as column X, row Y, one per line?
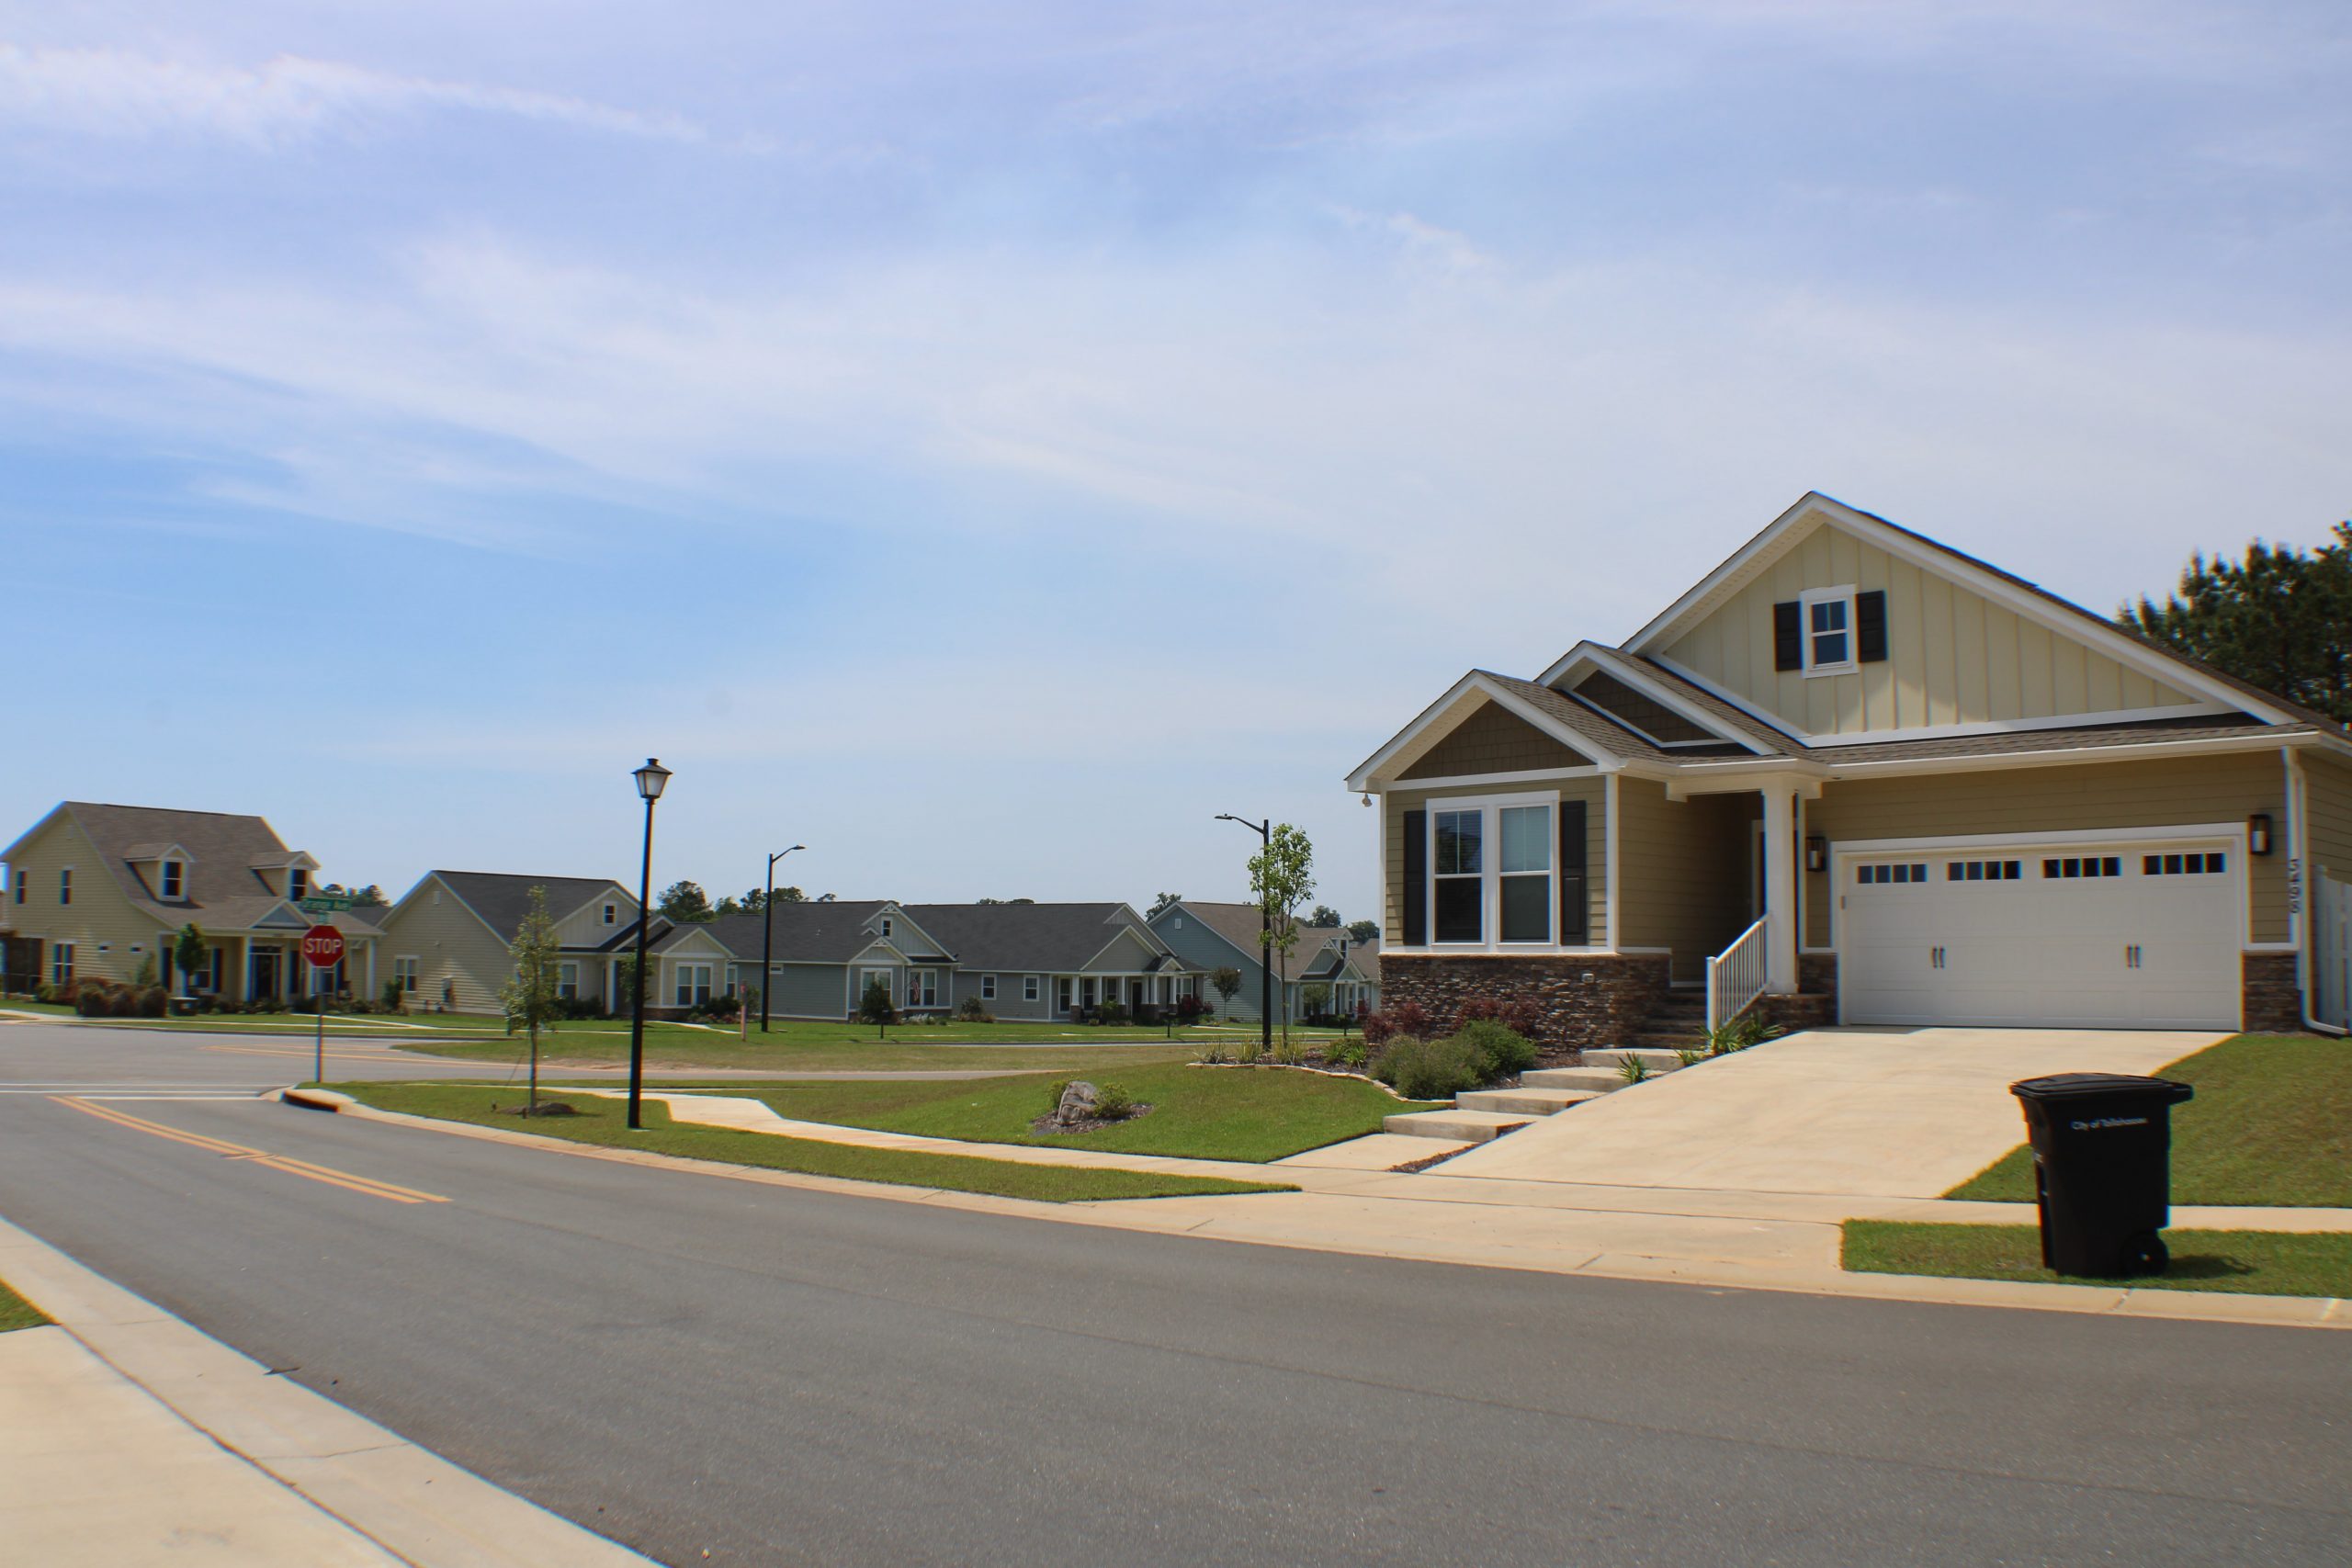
column 104, row 891
column 448, row 940
column 1863, row 777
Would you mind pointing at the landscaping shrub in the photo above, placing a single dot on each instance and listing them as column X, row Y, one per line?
column 1190, row 1009
column 1112, row 1103
column 1748, row 1028
column 971, row 1010
column 1518, row 1014
column 1215, row 1054
column 1429, row 1069
column 1110, row 1012
column 90, row 999
column 1405, row 1018
column 392, row 996
column 153, row 1001
column 1349, row 1053
column 1506, row 1050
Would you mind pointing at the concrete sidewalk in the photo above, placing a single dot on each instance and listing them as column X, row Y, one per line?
column 128, row 1436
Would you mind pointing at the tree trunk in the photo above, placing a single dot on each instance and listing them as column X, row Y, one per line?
column 534, row 1108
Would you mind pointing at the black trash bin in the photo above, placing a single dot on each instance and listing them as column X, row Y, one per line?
column 2102, row 1170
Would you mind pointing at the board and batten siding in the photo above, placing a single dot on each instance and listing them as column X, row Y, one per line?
column 1953, row 656
column 1492, row 740
column 1683, row 872
column 2327, row 790
column 1398, row 801
column 460, row 962
column 2177, row 792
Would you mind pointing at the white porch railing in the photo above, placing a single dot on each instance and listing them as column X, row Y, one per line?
column 1736, row 976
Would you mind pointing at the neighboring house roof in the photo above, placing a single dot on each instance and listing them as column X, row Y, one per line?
column 499, row 900
column 220, row 889
column 813, row 932
column 1041, row 938
column 1238, row 924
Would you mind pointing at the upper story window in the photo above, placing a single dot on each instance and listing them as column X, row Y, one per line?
column 612, row 913
column 886, row 925
column 65, row 886
column 17, row 882
column 298, row 882
column 1829, row 631
column 171, row 879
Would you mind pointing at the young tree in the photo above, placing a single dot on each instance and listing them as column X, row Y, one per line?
column 529, row 996
column 1317, row 998
column 626, row 970
column 1324, row 914
column 192, row 955
column 2279, row 619
column 685, row 902
column 1282, row 875
column 1226, row 982
column 875, row 1006
column 1361, row 931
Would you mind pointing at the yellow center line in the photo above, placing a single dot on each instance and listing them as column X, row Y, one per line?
column 286, row 1163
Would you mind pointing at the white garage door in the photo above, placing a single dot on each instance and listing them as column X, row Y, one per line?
column 2088, row 935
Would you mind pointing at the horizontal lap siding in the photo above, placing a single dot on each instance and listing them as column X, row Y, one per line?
column 1007, row 1002
column 807, row 990
column 99, row 916
column 2328, row 791
column 1589, row 790
column 457, row 958
column 1684, row 874
column 2176, row 792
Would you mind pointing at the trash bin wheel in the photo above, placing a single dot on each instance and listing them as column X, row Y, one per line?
column 2147, row 1254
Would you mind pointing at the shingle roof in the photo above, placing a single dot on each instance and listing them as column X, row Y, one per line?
column 502, row 899
column 810, row 931
column 2088, row 738
column 1580, row 718
column 1238, row 924
column 1043, row 938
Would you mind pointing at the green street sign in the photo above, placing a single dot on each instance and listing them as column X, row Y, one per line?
column 325, row 904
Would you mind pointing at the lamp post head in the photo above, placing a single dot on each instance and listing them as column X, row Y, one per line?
column 650, row 779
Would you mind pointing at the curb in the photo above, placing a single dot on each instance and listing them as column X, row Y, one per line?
column 402, row 1497
column 326, row 1100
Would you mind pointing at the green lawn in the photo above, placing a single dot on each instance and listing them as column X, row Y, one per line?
column 1197, row 1112
column 2271, row 1126
column 17, row 1312
column 2269, row 1263
column 603, row 1121
column 914, row 1055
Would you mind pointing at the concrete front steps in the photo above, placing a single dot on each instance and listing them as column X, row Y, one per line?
column 1481, row 1114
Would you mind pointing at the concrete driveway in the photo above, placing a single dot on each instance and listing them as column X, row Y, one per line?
column 1883, row 1113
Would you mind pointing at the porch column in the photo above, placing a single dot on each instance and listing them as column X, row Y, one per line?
column 1781, row 888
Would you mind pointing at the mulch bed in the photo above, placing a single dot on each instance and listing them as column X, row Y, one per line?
column 1046, row 1126
column 546, row 1108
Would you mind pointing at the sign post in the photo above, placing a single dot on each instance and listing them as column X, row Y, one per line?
column 322, row 945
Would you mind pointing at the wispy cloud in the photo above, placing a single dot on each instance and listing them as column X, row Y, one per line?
column 108, row 92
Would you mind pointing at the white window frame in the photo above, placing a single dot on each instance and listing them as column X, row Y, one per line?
column 988, row 988
column 923, row 987
column 171, row 879
column 64, row 885
column 1841, row 595
column 685, row 983
column 886, row 925
column 1491, row 851
column 298, row 882
column 612, row 914
column 567, row 981
column 1029, row 988
column 407, row 971
column 60, row 963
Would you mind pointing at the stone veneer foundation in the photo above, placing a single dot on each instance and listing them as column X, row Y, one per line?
column 1583, row 1001
column 2274, row 1004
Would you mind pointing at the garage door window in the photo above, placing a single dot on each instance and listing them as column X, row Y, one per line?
column 1983, row 870
column 2074, row 866
column 1881, row 876
column 2185, row 865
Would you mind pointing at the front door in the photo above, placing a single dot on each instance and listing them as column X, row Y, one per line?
column 264, row 974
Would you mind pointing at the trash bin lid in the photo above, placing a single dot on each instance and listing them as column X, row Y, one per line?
column 2059, row 1087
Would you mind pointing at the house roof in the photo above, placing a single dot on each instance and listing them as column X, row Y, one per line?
column 222, row 890
column 1239, row 923
column 811, row 931
column 1042, row 938
column 502, row 898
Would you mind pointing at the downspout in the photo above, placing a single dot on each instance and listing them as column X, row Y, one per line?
column 2299, row 921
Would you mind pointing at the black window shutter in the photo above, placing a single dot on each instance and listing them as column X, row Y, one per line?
column 1787, row 635
column 1869, row 626
column 1575, row 907
column 1417, row 878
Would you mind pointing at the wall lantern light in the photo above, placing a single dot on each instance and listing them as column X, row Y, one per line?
column 2257, row 833
column 1816, row 854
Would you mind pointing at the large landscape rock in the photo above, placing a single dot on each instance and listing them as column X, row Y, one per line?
column 1076, row 1105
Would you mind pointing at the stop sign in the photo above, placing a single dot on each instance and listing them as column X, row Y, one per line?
column 322, row 945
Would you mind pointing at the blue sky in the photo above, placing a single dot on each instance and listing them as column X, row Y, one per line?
column 985, row 441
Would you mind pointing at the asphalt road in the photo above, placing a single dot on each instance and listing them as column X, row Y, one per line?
column 690, row 1364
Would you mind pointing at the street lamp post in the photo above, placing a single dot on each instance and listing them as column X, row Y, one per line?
column 1265, row 940
column 650, row 779
column 767, row 936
